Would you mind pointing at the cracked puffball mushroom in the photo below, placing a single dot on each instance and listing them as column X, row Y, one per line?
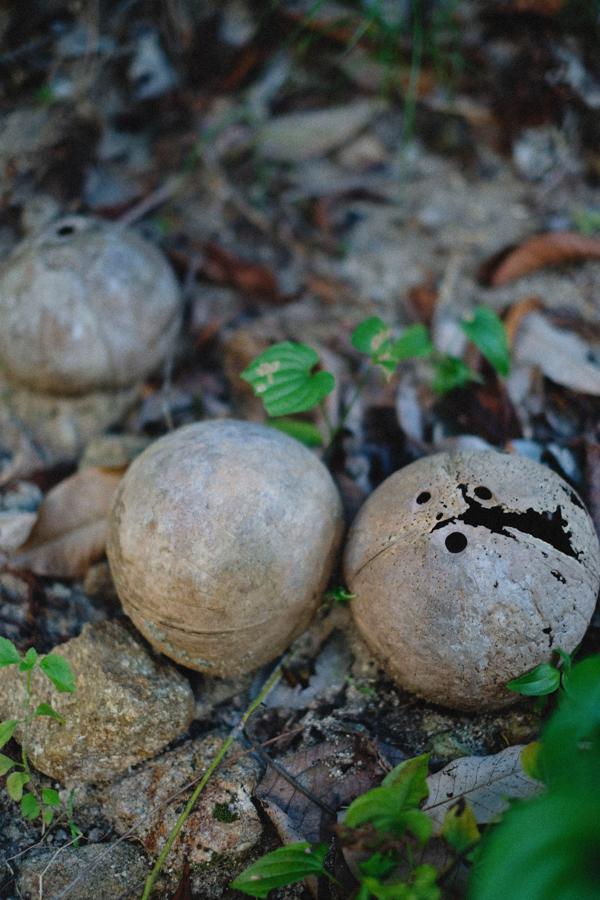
column 88, row 309
column 469, row 569
column 222, row 537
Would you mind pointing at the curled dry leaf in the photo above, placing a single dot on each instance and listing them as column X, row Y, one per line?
column 551, row 249
column 70, row 532
column 562, row 356
column 485, row 781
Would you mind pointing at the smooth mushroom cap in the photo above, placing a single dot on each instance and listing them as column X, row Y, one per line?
column 86, row 305
column 222, row 538
column 468, row 570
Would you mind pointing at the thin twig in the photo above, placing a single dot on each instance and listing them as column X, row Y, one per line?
column 268, row 686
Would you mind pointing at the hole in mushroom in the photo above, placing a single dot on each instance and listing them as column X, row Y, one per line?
column 64, row 230
column 423, row 497
column 483, row 493
column 456, row 542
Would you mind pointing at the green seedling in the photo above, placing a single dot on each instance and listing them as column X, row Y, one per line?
column 286, row 378
column 35, row 804
column 547, row 846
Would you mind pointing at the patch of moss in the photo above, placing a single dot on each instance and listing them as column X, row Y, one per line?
column 222, row 813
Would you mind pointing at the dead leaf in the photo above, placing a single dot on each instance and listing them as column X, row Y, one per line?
column 517, row 313
column 331, row 774
column 485, row 781
column 298, row 136
column 423, row 298
column 251, row 278
column 552, row 249
column 561, row 355
column 592, row 480
column 15, row 528
column 184, row 888
column 70, row 532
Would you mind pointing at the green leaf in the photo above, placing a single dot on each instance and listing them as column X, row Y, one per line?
column 9, row 655
column 15, row 783
column 47, row 816
column 487, row 332
column 44, row 709
column 6, row 730
column 450, row 372
column 421, row 886
column 6, row 764
column 50, row 797
column 414, row 341
column 544, row 679
column 282, row 377
column 29, row 660
column 371, row 337
column 305, row 432
column 530, row 760
column 572, row 736
column 281, row 867
column 59, row 672
column 459, row 827
column 30, row 808
column 340, row 595
column 544, row 848
column 385, row 807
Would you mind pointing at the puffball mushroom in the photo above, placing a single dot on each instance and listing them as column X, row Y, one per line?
column 87, row 309
column 469, row 569
column 222, row 537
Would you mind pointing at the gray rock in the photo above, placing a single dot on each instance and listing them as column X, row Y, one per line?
column 96, row 872
column 224, row 822
column 128, row 706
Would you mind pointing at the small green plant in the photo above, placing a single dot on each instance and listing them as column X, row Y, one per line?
column 340, row 595
column 388, row 827
column 284, row 376
column 19, row 785
column 543, row 679
column 549, row 846
column 546, row 846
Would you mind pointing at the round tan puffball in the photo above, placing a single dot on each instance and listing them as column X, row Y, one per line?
column 85, row 305
column 468, row 570
column 221, row 541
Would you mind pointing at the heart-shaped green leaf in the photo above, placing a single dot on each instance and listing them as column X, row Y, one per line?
column 282, row 377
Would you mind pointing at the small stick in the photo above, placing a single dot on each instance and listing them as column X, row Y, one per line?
column 267, row 687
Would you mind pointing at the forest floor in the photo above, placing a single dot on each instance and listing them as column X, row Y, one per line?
column 303, row 167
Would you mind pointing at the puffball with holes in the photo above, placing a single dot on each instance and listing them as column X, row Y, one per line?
column 469, row 569
column 88, row 309
column 222, row 538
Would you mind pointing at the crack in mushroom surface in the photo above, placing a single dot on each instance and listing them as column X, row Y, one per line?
column 467, row 569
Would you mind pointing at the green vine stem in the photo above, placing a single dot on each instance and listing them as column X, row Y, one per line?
column 266, row 689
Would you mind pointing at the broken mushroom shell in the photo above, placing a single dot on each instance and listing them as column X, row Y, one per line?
column 469, row 569
column 221, row 540
column 85, row 305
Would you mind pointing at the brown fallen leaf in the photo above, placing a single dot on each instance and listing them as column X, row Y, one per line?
column 551, row 249
column 516, row 314
column 251, row 278
column 305, row 802
column 70, row 532
column 592, row 480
